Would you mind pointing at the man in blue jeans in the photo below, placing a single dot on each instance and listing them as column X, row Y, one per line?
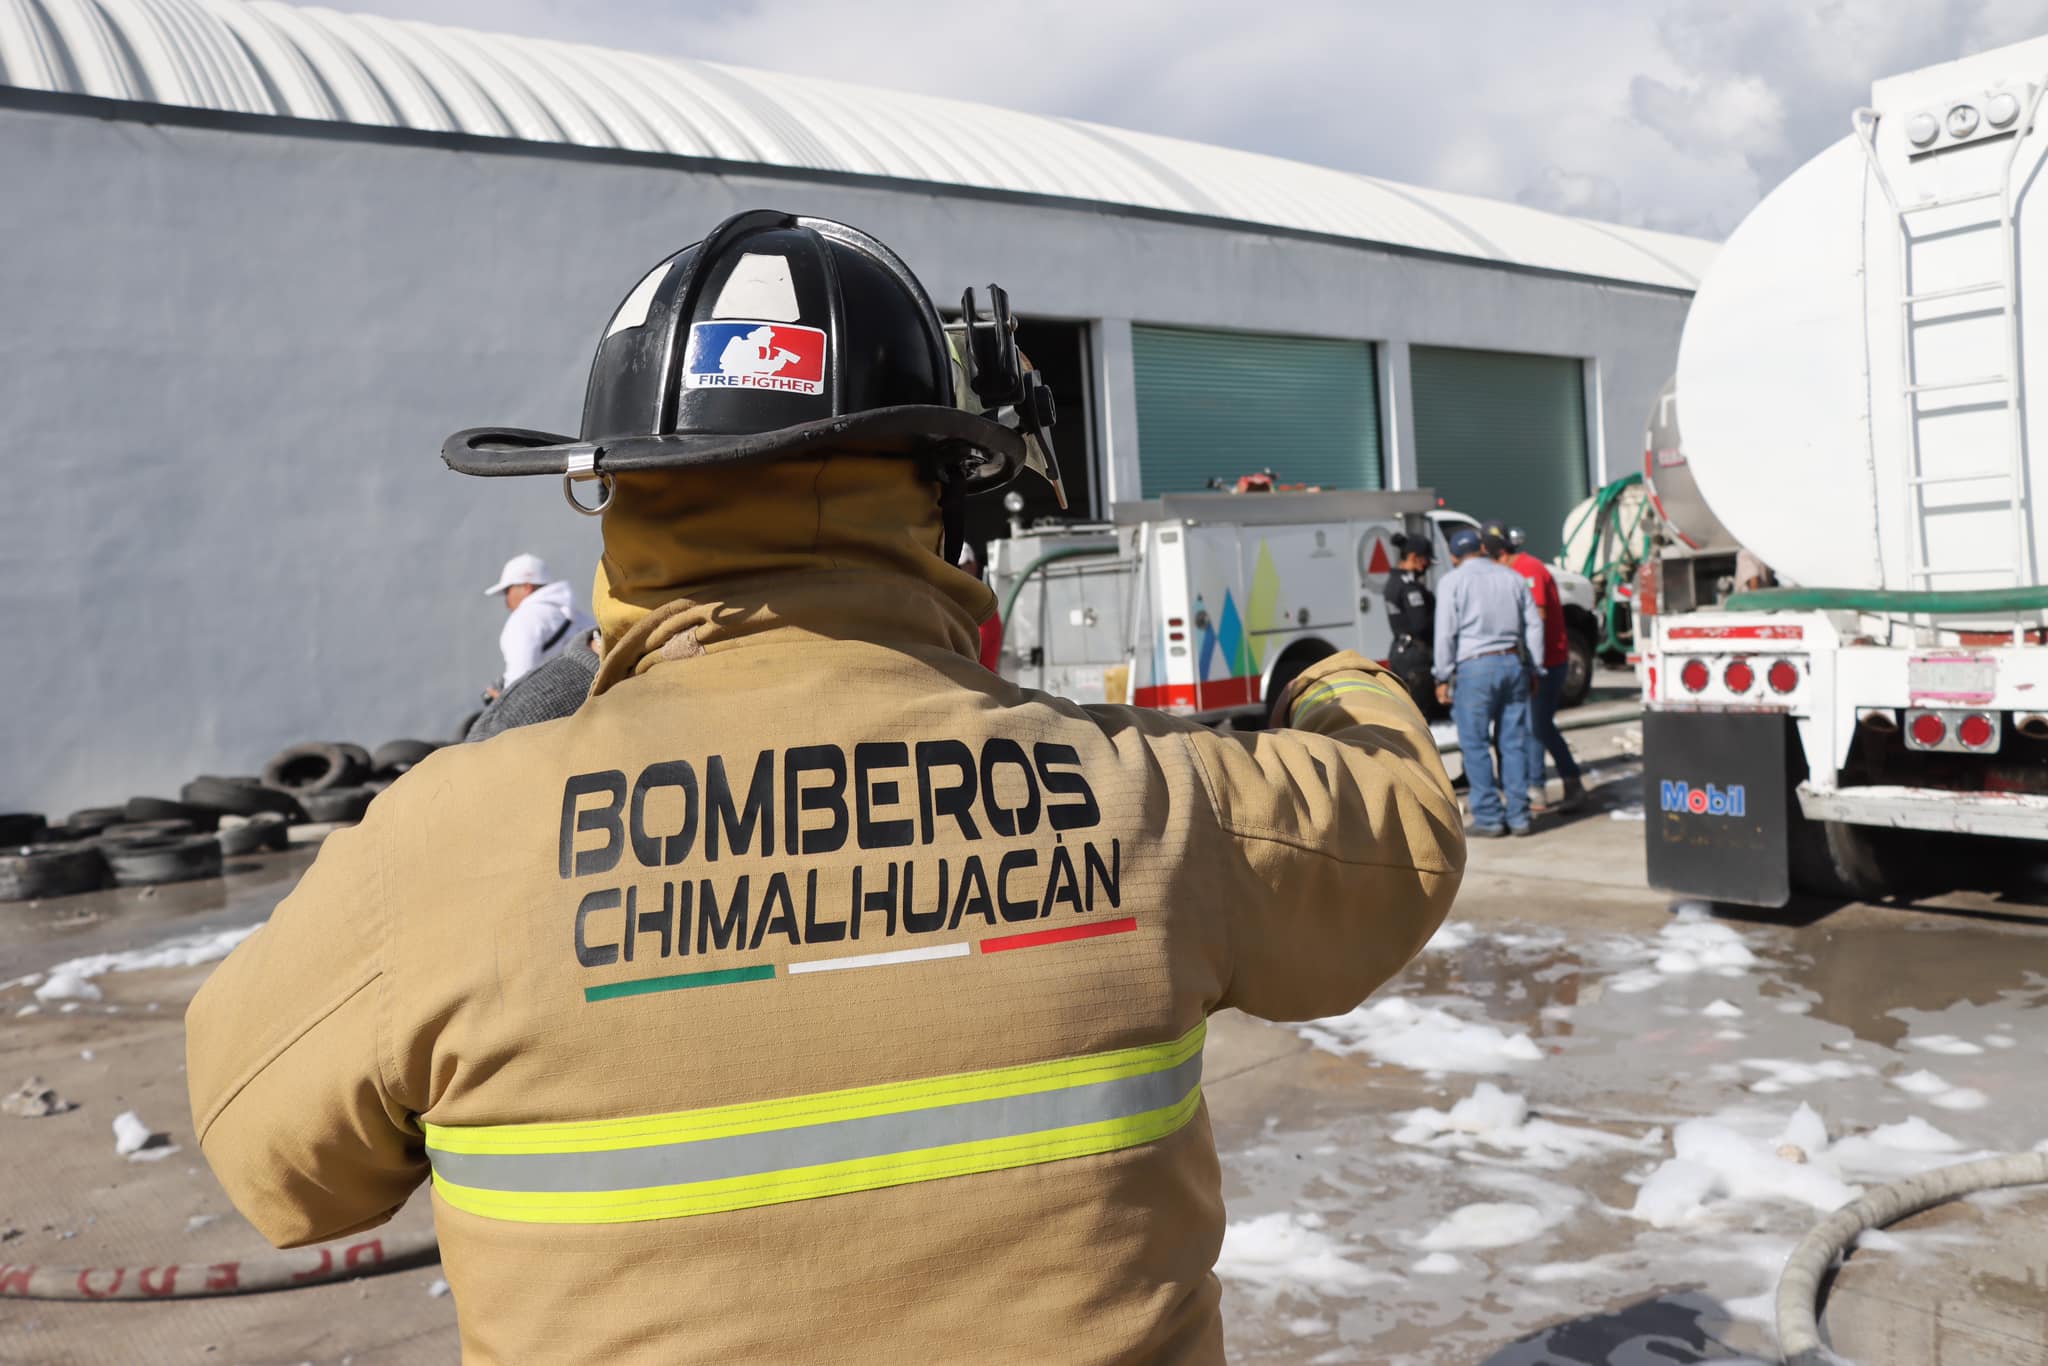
column 1488, row 633
column 1504, row 546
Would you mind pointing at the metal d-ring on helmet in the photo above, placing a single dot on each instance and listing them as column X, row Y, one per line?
column 778, row 336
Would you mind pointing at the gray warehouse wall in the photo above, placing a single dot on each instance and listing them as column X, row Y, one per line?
column 228, row 358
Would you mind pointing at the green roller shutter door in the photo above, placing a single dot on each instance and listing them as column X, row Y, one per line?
column 1222, row 404
column 1503, row 435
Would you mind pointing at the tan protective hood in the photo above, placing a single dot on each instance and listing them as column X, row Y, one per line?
column 839, row 546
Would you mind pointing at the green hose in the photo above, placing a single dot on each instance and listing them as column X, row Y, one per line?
column 1616, row 573
column 1049, row 558
column 1917, row 603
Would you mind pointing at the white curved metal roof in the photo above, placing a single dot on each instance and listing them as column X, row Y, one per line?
column 264, row 57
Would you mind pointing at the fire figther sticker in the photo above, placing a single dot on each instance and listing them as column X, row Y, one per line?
column 742, row 354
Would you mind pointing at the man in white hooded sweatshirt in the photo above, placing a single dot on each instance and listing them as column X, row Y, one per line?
column 542, row 617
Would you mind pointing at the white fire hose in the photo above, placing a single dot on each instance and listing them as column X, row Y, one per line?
column 370, row 1255
column 1799, row 1283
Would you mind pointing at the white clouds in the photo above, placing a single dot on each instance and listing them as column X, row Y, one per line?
column 1709, row 117
column 1675, row 114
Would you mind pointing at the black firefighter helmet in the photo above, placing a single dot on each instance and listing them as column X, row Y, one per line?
column 780, row 335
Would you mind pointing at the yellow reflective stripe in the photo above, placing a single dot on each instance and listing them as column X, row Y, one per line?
column 1330, row 692
column 724, row 1121
column 810, row 1183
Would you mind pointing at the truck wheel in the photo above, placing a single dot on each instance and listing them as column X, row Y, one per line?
column 1578, row 670
column 1836, row 860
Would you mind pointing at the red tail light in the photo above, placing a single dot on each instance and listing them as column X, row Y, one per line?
column 1976, row 730
column 1739, row 677
column 1695, row 675
column 1784, row 676
column 1929, row 729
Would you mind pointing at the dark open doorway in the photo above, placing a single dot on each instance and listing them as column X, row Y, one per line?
column 1060, row 351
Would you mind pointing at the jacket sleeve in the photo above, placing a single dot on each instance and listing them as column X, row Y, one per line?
column 1532, row 625
column 284, row 1059
column 1445, row 647
column 1343, row 843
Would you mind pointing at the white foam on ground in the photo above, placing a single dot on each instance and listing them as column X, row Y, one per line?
column 1276, row 1252
column 182, row 951
column 1932, row 1088
column 1452, row 934
column 67, row 986
column 1499, row 1120
column 1306, row 1327
column 1692, row 943
column 1423, row 1038
column 1530, row 941
column 1438, row 1264
column 1921, row 1083
column 1714, row 1161
column 1913, row 1135
column 1484, row 1226
column 1783, row 1074
column 1893, row 1152
column 132, row 1139
column 1962, row 1098
column 1947, row 1044
column 1737, row 1158
column 1547, row 1273
column 1721, row 1010
column 1756, row 1309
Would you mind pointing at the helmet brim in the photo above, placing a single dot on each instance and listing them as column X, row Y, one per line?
column 964, row 448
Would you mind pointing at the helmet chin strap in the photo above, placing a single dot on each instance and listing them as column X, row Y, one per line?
column 953, row 517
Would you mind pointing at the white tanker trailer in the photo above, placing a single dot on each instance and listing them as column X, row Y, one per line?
column 1856, row 377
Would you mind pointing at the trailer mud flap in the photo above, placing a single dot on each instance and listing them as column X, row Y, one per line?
column 1714, row 805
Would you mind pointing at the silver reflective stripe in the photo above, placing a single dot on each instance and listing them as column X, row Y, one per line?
column 714, row 1159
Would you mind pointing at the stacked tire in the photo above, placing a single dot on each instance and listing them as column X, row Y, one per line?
column 149, row 840
column 145, row 860
column 32, row 872
column 331, row 781
column 243, row 835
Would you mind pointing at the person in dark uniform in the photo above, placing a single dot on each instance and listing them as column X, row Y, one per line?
column 1411, row 608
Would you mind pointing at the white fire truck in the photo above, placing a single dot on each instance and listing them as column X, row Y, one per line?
column 1208, row 604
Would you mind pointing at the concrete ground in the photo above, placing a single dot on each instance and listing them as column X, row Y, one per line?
column 1368, row 1223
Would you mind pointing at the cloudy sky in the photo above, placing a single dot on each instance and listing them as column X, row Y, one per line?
column 1674, row 114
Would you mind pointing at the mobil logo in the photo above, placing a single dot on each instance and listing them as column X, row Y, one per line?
column 1704, row 800
column 738, row 354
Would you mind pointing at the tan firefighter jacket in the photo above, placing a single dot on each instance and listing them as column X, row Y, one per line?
column 811, row 994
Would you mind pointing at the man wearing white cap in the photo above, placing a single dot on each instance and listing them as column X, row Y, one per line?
column 543, row 617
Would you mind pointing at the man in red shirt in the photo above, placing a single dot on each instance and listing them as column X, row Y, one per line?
column 1550, row 676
